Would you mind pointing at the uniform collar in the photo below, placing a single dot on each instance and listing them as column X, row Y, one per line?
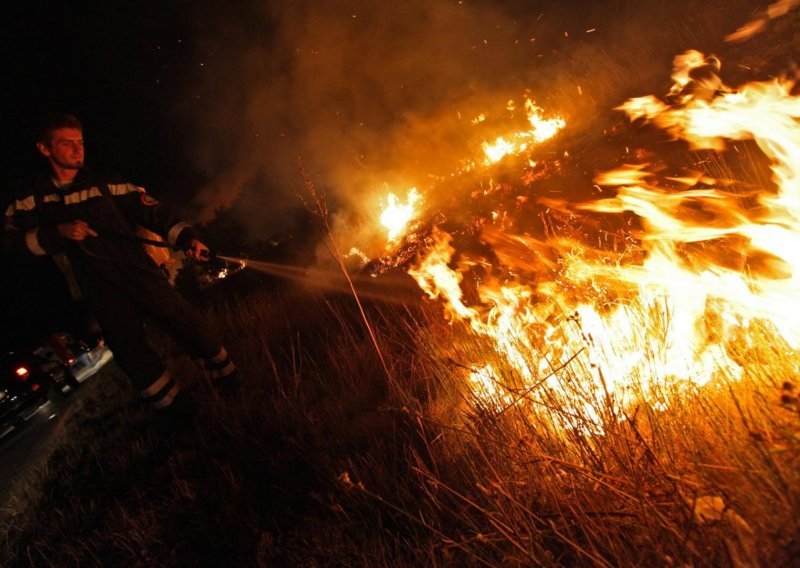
column 47, row 184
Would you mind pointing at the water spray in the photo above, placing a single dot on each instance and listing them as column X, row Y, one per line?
column 388, row 288
column 396, row 289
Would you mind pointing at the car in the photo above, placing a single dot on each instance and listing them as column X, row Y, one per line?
column 51, row 373
column 71, row 360
column 21, row 392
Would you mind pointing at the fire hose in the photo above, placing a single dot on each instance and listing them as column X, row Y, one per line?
column 205, row 254
column 388, row 289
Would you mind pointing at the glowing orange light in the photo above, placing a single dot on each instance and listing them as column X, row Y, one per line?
column 397, row 215
column 542, row 129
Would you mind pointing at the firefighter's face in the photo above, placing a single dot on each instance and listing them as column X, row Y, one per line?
column 65, row 149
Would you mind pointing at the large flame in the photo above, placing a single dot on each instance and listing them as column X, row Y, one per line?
column 396, row 216
column 712, row 268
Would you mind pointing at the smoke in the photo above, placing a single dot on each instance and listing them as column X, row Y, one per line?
column 380, row 96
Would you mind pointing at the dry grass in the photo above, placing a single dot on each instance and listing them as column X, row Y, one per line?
column 710, row 481
column 321, row 461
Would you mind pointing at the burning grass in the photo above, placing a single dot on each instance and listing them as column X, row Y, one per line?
column 576, row 390
column 683, row 484
column 326, row 461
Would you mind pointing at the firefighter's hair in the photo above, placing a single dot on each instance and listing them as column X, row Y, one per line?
column 51, row 122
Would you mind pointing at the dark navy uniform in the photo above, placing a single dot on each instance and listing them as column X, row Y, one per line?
column 114, row 271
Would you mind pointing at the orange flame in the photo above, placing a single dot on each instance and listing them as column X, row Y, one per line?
column 711, row 267
column 542, row 129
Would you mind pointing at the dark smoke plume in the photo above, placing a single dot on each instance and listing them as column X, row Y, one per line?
column 376, row 95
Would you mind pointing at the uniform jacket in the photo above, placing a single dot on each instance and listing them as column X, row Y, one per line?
column 112, row 206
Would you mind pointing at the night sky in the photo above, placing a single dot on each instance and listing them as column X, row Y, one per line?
column 121, row 67
column 209, row 104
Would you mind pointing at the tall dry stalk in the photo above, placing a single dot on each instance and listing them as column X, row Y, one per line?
column 319, row 207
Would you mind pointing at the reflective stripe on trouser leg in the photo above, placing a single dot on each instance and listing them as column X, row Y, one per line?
column 219, row 366
column 162, row 392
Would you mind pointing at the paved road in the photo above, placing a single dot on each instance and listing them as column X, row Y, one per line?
column 29, row 446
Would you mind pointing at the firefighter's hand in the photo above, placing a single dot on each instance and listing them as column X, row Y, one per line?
column 198, row 251
column 76, row 230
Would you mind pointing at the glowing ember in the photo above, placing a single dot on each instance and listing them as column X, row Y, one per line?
column 484, row 384
column 499, row 150
column 483, row 380
column 396, row 216
column 756, row 26
column 542, row 129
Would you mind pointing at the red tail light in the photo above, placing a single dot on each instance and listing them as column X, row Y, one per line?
column 34, row 387
column 22, row 371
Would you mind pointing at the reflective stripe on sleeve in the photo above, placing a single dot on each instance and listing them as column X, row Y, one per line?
column 27, row 204
column 82, row 195
column 175, row 231
column 32, row 242
column 123, row 188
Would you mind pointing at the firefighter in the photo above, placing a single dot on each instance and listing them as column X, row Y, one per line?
column 91, row 219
